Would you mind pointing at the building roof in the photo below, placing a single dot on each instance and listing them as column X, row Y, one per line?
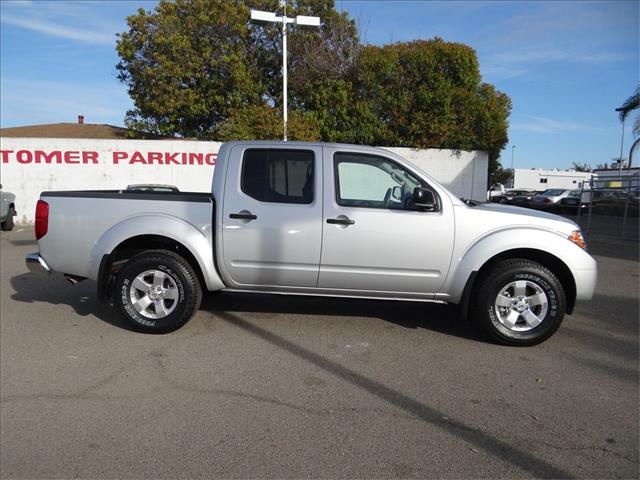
column 75, row 130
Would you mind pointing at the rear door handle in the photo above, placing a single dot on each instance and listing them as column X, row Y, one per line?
column 244, row 215
column 340, row 221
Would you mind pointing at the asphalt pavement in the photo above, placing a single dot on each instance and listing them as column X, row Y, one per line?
column 287, row 387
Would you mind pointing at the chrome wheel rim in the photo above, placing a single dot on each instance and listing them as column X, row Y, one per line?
column 154, row 294
column 521, row 306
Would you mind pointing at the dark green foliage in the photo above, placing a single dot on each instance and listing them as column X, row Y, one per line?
column 501, row 175
column 197, row 68
column 631, row 104
column 581, row 167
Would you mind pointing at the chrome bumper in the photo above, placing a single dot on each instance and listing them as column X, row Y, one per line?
column 36, row 264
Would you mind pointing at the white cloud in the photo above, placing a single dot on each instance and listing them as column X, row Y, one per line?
column 535, row 124
column 57, row 30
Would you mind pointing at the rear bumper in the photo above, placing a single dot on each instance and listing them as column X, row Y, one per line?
column 36, row 264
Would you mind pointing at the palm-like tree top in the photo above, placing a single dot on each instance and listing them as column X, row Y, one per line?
column 630, row 104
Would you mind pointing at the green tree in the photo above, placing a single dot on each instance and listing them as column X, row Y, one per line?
column 581, row 167
column 191, row 65
column 186, row 67
column 261, row 122
column 501, row 175
column 196, row 68
column 429, row 93
column 631, row 104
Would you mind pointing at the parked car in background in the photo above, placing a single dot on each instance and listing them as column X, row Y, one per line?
column 525, row 199
column 7, row 209
column 152, row 187
column 496, row 191
column 505, row 197
column 549, row 199
column 570, row 203
column 522, row 198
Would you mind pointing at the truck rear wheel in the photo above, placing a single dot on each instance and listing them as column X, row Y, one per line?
column 157, row 291
column 519, row 302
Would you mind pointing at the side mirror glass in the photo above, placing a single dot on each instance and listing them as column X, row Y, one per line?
column 424, row 198
column 396, row 193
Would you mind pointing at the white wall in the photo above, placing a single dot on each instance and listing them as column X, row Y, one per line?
column 464, row 173
column 85, row 164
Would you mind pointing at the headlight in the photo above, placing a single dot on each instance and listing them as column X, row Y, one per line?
column 577, row 238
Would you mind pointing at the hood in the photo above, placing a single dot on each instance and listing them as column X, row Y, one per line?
column 512, row 215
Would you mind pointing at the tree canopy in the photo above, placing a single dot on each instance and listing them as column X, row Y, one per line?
column 631, row 104
column 198, row 69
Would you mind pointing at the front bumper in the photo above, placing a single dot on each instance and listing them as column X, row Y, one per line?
column 586, row 281
column 36, row 264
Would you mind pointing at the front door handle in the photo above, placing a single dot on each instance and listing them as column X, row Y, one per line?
column 243, row 215
column 340, row 221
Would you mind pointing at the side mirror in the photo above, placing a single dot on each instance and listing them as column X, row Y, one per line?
column 396, row 193
column 424, row 198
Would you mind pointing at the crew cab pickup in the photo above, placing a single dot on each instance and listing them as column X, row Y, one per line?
column 317, row 219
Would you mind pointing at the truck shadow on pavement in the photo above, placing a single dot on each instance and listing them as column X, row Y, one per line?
column 55, row 290
column 431, row 316
column 30, row 288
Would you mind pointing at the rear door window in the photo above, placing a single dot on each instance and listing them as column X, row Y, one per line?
column 278, row 175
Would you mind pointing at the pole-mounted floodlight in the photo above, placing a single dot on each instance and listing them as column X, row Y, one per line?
column 270, row 17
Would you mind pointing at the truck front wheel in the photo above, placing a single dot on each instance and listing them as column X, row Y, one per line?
column 157, row 291
column 520, row 302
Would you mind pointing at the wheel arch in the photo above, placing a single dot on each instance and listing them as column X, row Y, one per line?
column 151, row 231
column 111, row 262
column 559, row 268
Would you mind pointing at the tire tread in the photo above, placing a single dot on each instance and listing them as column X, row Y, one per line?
column 485, row 284
column 193, row 283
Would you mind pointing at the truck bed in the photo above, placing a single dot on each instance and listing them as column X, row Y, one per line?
column 132, row 195
column 78, row 220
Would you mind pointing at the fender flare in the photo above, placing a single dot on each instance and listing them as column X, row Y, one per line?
column 504, row 240
column 197, row 242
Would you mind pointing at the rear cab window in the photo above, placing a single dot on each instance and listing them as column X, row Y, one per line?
column 278, row 175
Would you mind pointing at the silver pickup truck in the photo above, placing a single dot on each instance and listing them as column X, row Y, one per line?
column 317, row 219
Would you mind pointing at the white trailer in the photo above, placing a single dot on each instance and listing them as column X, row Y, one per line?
column 538, row 179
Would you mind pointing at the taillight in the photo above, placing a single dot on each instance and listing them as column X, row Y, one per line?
column 42, row 219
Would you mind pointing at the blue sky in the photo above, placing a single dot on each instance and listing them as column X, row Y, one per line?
column 565, row 65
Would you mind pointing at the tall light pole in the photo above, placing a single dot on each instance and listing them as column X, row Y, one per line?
column 513, row 174
column 621, row 146
column 271, row 17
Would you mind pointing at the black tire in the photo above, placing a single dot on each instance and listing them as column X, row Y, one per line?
column 177, row 273
column 7, row 225
column 538, row 279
